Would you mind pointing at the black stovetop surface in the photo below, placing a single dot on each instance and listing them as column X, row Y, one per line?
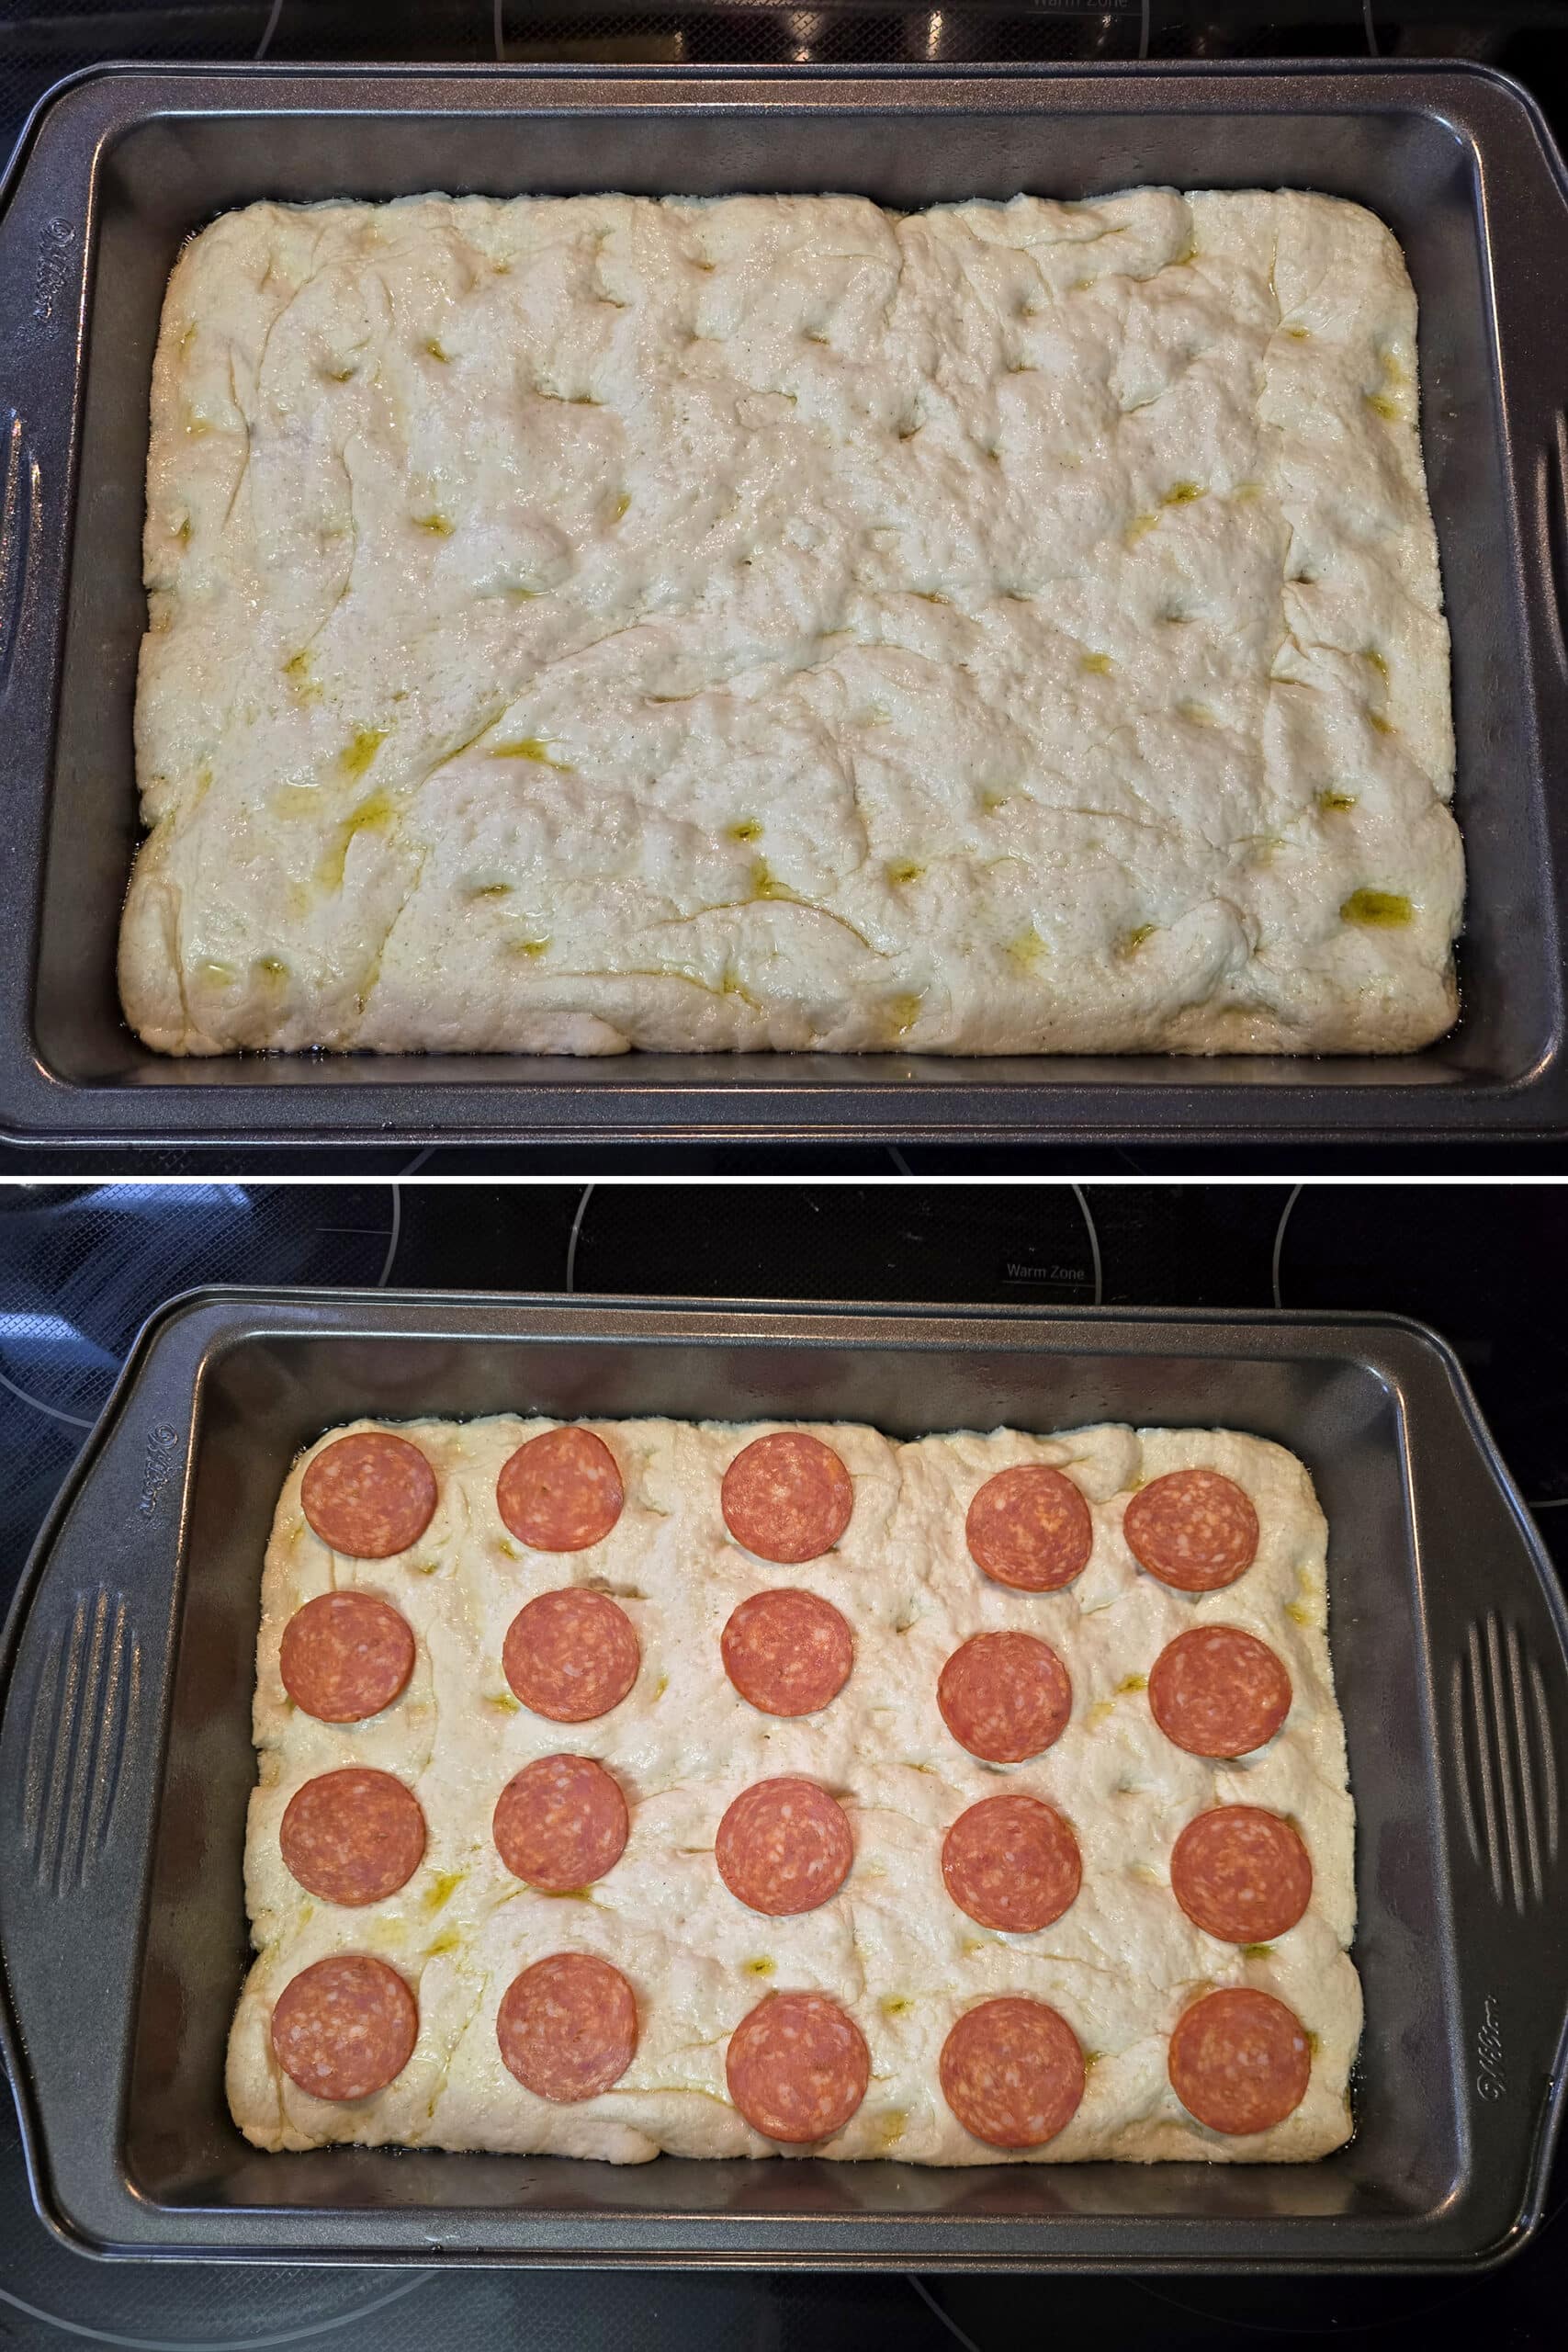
column 79, row 1267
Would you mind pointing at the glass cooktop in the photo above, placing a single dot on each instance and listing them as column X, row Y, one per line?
column 80, row 1266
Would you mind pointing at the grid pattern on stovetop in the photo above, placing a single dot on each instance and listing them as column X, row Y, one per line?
column 81, row 1265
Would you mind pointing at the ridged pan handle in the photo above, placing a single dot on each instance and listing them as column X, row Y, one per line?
column 42, row 283
column 83, row 1675
column 1498, row 1631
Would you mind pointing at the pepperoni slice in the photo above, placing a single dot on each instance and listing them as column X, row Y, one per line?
column 1030, row 1528
column 1241, row 1875
column 567, row 2027
column 787, row 1497
column 1011, row 1862
column 1005, row 1696
column 345, row 1656
column 561, row 1492
column 1012, row 2072
column 1239, row 2061
column 1218, row 1691
column 370, row 1495
column 344, row 2027
column 788, row 1651
column 784, row 1845
column 561, row 1823
column 571, row 1654
column 1193, row 1528
column 798, row 2067
column 352, row 1837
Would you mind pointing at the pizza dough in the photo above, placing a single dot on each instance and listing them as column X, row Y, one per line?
column 587, row 622
column 868, row 1815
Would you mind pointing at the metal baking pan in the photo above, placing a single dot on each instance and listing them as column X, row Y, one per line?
column 126, row 162
column 126, row 1762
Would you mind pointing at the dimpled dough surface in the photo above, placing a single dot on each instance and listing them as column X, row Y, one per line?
column 891, row 1947
column 779, row 623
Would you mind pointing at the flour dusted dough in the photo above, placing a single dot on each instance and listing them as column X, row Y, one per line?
column 780, row 623
column 891, row 1947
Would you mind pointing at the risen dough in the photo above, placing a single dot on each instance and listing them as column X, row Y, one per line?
column 891, row 1946
column 779, row 623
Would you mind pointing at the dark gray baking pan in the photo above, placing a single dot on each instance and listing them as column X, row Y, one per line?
column 126, row 1762
column 127, row 163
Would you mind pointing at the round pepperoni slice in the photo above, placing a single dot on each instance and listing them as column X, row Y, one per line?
column 1030, row 1528
column 352, row 1837
column 345, row 1656
column 1218, row 1691
column 567, row 2027
column 1193, row 1528
column 788, row 1651
column 370, row 1495
column 561, row 1823
column 1005, row 1696
column 798, row 2067
column 344, row 2027
column 1012, row 2073
column 784, row 1845
column 1241, row 1875
column 561, row 1492
column 1239, row 2061
column 571, row 1654
column 1011, row 1862
column 787, row 1497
